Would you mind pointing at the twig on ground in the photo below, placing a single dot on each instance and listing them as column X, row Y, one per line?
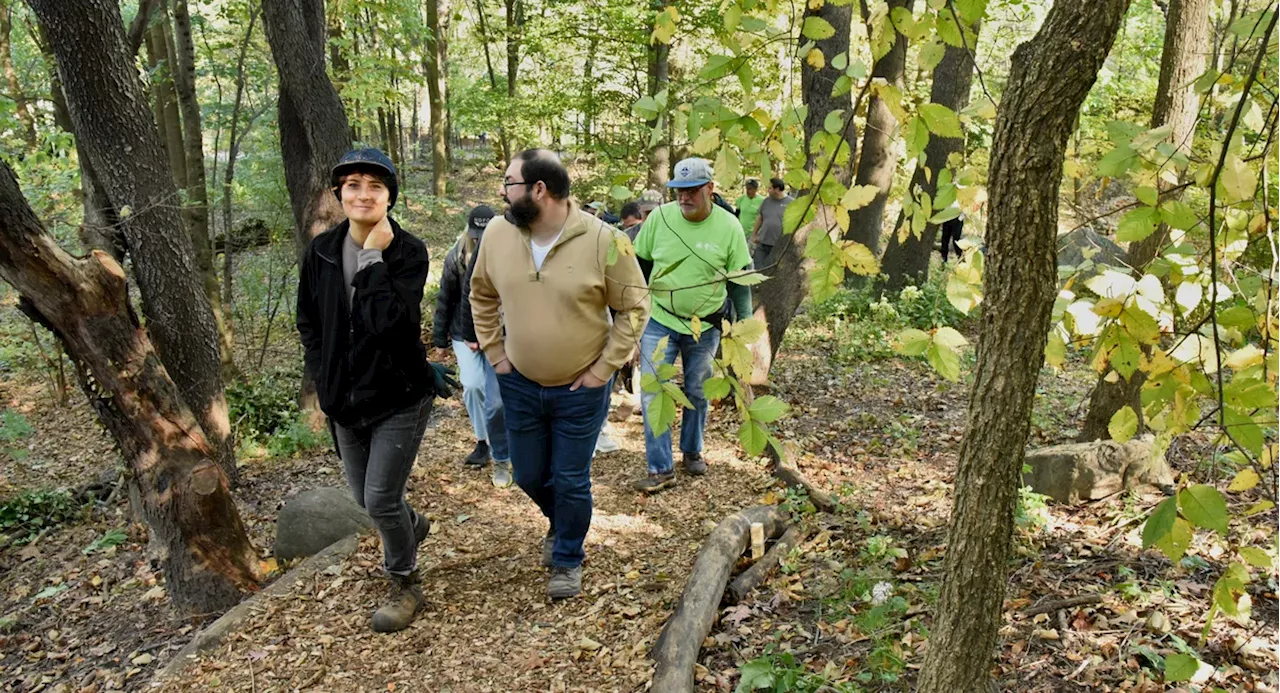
column 1050, row 607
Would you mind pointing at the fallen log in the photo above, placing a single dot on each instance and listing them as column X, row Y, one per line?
column 793, row 477
column 752, row 577
column 677, row 647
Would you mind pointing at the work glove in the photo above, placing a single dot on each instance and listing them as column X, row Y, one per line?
column 443, row 381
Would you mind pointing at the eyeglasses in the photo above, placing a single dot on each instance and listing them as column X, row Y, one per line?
column 507, row 184
column 689, row 192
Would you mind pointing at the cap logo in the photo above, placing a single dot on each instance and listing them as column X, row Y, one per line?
column 684, row 172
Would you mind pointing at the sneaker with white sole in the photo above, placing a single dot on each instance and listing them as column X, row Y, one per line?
column 605, row 444
column 502, row 477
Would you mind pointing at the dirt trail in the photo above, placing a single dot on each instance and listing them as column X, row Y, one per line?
column 489, row 626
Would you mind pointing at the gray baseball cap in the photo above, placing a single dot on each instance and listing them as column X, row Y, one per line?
column 690, row 173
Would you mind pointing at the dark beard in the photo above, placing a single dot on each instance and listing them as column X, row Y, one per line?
column 523, row 211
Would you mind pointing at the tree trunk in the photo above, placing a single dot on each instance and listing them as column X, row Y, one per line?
column 660, row 153
column 107, row 106
column 209, row 562
column 313, row 127
column 907, row 262
column 1050, row 77
column 589, row 90
column 21, row 109
column 435, row 96
column 233, row 152
column 443, row 44
column 165, row 67
column 1186, row 44
column 493, row 79
column 196, row 211
column 515, row 20
column 878, row 158
column 778, row 298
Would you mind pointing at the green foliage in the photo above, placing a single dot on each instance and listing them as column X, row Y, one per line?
column 13, row 428
column 264, row 411
column 779, row 672
column 27, row 514
column 112, row 538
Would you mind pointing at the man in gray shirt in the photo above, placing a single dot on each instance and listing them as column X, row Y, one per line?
column 768, row 226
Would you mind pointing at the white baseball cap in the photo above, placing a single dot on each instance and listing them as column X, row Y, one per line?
column 690, row 173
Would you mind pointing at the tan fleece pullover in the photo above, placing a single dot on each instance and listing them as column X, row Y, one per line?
column 556, row 319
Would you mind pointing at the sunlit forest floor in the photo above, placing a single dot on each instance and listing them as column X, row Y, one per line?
column 82, row 607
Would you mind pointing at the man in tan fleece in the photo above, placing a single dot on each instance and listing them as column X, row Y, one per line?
column 543, row 274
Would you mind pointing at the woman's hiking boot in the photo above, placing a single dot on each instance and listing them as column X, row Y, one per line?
column 478, row 457
column 403, row 602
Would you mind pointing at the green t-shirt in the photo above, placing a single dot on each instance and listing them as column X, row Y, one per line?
column 748, row 208
column 710, row 249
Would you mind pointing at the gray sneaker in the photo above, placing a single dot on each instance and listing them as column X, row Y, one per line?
column 502, row 477
column 564, row 583
column 694, row 464
column 548, row 545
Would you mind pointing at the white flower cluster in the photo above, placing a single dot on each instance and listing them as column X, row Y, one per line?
column 910, row 293
column 881, row 593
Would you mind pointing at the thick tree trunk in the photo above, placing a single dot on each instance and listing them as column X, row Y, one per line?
column 113, row 128
column 196, row 211
column 1050, row 77
column 435, row 96
column 209, row 562
column 660, row 153
column 1186, row 44
column 313, row 127
column 21, row 109
column 778, row 298
column 878, row 159
column 907, row 262
column 515, row 21
column 164, row 68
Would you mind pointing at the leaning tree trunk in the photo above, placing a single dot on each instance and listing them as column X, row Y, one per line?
column 196, row 211
column 114, row 130
column 908, row 261
column 435, row 95
column 778, row 298
column 659, row 153
column 1049, row 78
column 313, row 127
column 1186, row 44
column 878, row 159
column 169, row 118
column 186, row 500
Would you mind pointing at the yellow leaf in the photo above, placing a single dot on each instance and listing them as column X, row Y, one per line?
column 859, row 196
column 816, row 60
column 1244, row 480
column 695, row 325
column 1108, row 307
column 707, row 141
column 1242, row 358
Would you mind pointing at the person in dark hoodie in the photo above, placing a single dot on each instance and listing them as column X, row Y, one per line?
column 453, row 328
column 359, row 292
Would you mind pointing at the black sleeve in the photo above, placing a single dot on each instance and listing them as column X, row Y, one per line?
column 646, row 267
column 308, row 320
column 390, row 302
column 446, row 301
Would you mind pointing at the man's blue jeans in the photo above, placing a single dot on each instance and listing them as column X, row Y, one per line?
column 552, row 432
column 483, row 400
column 695, row 356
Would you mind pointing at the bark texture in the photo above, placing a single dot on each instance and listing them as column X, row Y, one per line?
column 1050, row 77
column 878, row 158
column 208, row 559
column 1186, row 45
column 114, row 131
column 515, row 21
column 907, row 262
column 313, row 127
column 435, row 96
column 659, row 153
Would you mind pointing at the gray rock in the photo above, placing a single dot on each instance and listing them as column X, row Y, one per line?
column 312, row 520
column 1073, row 248
column 1078, row 472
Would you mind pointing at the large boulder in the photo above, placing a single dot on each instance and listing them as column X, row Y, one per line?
column 312, row 520
column 1078, row 472
column 1085, row 243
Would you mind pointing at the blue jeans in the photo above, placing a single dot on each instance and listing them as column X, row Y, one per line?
column 483, row 400
column 377, row 461
column 696, row 359
column 553, row 435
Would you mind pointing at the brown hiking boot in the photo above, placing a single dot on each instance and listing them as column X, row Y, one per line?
column 654, row 483
column 402, row 604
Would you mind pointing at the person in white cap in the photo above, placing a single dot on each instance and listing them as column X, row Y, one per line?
column 689, row 246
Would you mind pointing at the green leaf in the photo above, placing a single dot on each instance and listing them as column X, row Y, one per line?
column 840, row 61
column 1137, row 224
column 964, row 295
column 1126, row 355
column 940, row 120
column 1124, row 424
column 1245, row 431
column 948, row 31
column 753, row 437
column 1237, row 316
column 767, row 409
column 749, row 278
column 1256, row 557
column 834, row 122
column 668, row 269
column 1251, row 25
column 662, row 411
column 1238, row 179
column 1117, row 162
column 913, row 342
column 1166, row 531
column 916, row 134
column 756, row 674
column 817, row 28
column 707, row 141
column 1180, row 667
column 971, row 10
column 943, row 352
column 1204, row 506
column 946, row 214
column 715, row 388
column 677, row 394
column 1055, row 350
column 794, row 216
column 1178, row 214
column 647, row 107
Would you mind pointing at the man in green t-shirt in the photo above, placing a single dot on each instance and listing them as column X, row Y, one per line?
column 749, row 206
column 687, row 247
